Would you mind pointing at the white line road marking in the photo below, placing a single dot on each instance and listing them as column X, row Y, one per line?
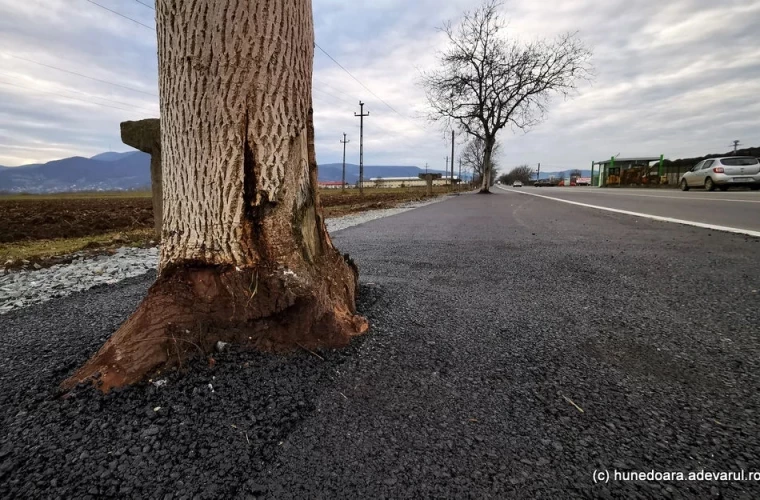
column 714, row 227
column 686, row 197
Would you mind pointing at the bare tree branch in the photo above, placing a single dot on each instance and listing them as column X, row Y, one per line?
column 523, row 173
column 472, row 157
column 487, row 81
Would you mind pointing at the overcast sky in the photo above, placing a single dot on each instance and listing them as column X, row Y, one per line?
column 676, row 77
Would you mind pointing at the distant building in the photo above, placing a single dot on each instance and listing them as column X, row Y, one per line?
column 626, row 171
column 402, row 182
column 332, row 185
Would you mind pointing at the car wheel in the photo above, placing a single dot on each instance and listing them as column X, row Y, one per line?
column 684, row 185
column 754, row 188
column 709, row 185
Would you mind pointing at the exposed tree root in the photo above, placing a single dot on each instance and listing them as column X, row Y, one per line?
column 189, row 309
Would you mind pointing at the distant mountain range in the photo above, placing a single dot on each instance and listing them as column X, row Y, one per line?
column 104, row 172
column 131, row 171
column 330, row 172
column 566, row 173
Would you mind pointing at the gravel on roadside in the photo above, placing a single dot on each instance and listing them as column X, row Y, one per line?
column 22, row 288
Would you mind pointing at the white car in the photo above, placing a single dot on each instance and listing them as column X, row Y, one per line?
column 723, row 173
column 517, row 184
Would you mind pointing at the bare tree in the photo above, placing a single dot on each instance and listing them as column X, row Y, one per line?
column 487, row 81
column 473, row 158
column 245, row 254
column 523, row 173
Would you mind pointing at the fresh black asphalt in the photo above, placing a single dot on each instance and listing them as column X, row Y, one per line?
column 495, row 321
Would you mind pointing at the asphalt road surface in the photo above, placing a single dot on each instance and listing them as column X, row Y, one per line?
column 734, row 209
column 518, row 347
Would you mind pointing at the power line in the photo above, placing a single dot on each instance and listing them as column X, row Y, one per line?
column 358, row 81
column 336, row 89
column 145, row 5
column 93, row 96
column 122, row 15
column 84, row 76
column 334, row 96
column 65, row 96
column 316, row 44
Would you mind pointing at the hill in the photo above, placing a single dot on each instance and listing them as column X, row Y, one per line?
column 566, row 173
column 111, row 156
column 130, row 171
column 684, row 164
column 333, row 171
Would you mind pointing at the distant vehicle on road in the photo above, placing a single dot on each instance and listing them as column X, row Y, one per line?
column 723, row 173
column 517, row 184
column 543, row 183
column 583, row 181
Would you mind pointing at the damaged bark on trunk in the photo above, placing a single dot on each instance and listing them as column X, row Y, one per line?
column 487, row 165
column 245, row 254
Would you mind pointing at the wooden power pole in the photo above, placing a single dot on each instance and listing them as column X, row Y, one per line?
column 452, row 160
column 361, row 116
column 344, row 142
column 460, row 174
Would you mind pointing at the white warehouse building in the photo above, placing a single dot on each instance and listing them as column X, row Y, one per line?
column 402, row 182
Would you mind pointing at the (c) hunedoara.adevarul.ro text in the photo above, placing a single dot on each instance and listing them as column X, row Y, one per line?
column 616, row 476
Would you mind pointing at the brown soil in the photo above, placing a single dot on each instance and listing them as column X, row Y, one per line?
column 41, row 218
column 336, row 203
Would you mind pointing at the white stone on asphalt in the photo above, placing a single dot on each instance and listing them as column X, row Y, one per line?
column 26, row 287
column 340, row 223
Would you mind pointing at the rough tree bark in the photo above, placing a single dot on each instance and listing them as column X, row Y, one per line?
column 145, row 135
column 485, row 187
column 246, row 257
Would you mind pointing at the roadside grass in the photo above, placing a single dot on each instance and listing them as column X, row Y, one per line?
column 50, row 251
column 42, row 251
column 74, row 196
column 336, row 203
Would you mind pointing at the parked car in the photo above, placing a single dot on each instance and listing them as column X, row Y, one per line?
column 543, row 183
column 517, row 184
column 723, row 173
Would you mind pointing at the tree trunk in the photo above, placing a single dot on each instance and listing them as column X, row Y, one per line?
column 246, row 257
column 485, row 187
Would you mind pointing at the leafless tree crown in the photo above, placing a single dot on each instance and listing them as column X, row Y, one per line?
column 487, row 81
column 523, row 173
column 472, row 158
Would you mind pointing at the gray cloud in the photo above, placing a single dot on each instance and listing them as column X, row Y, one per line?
column 678, row 78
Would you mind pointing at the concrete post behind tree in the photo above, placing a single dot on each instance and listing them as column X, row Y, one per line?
column 429, row 179
column 145, row 135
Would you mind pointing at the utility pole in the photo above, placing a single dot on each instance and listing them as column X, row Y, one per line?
column 344, row 142
column 361, row 116
column 452, row 160
column 460, row 174
column 736, row 147
column 538, row 175
column 426, row 168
